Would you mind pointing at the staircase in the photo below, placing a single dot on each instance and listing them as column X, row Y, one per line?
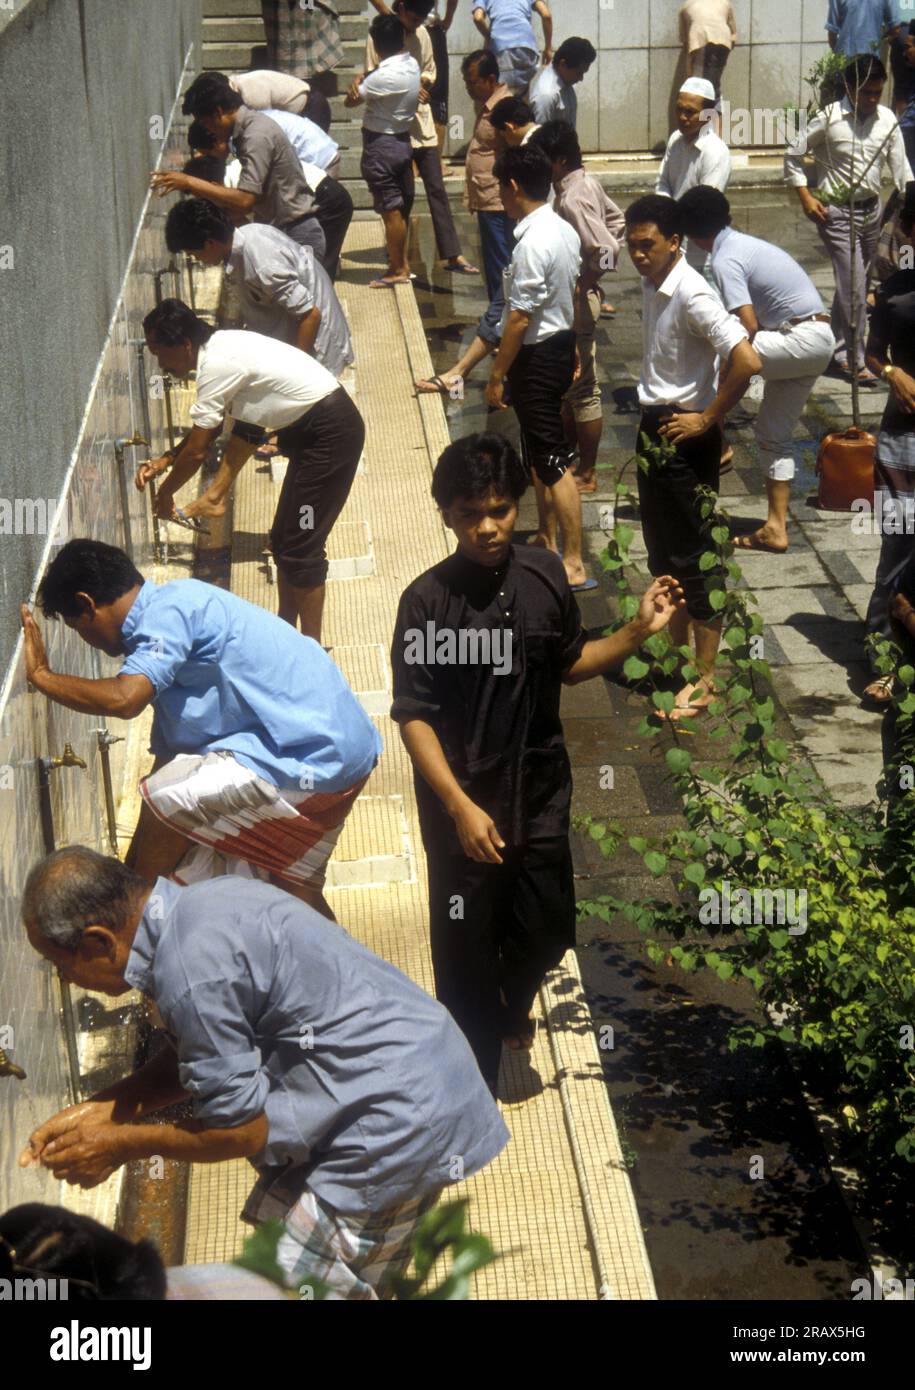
column 232, row 28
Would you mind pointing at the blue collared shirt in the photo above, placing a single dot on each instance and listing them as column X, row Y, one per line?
column 229, row 675
column 308, row 140
column 748, row 270
column 371, row 1093
column 859, row 24
column 510, row 24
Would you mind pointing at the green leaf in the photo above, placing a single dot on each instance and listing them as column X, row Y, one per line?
column 678, row 759
column 725, row 970
column 663, row 700
column 597, row 831
column 655, row 863
column 717, row 599
column 906, row 675
column 708, row 560
column 778, row 940
column 634, row 668
column 694, row 873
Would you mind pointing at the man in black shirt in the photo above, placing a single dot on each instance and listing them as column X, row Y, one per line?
column 484, row 642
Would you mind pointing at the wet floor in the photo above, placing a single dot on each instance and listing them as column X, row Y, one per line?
column 697, row 1120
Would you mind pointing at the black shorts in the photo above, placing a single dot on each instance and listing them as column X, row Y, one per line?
column 676, row 535
column 323, row 448
column 387, row 167
column 539, row 377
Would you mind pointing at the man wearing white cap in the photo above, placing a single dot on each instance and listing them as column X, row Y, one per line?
column 695, row 154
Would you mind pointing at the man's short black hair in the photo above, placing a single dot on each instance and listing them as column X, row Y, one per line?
column 704, row 211
column 655, row 208
column 511, row 110
column 576, row 52
column 558, row 140
column 484, row 62
column 206, row 92
column 529, row 168
column 866, row 67
column 194, row 221
column 104, row 572
column 388, row 35
column 421, row 8
column 476, row 465
column 199, row 138
column 172, row 322
column 100, row 1265
column 206, row 167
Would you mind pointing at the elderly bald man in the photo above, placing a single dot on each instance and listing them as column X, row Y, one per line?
column 354, row 1094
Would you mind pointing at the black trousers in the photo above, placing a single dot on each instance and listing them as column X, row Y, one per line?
column 676, row 535
column 323, row 448
column 334, row 210
column 539, row 377
column 428, row 162
column 498, row 928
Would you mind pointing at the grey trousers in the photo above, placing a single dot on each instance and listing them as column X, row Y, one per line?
column 428, row 163
column 835, row 237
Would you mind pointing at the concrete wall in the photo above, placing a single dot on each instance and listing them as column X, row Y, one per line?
column 82, row 78
column 624, row 102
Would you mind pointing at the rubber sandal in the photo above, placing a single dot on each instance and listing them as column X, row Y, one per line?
column 463, row 269
column 441, row 387
column 584, row 587
column 382, row 284
column 885, row 698
column 190, row 523
column 749, row 542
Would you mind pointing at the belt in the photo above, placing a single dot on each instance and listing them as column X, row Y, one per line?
column 862, row 204
column 810, row 318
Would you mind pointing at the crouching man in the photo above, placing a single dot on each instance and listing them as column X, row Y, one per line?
column 261, row 747
column 351, row 1090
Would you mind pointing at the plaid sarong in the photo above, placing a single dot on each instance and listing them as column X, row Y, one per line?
column 233, row 814
column 302, row 40
column 356, row 1259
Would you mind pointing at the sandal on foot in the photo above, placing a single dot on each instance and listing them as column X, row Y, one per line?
column 752, row 542
column 879, row 693
column 441, row 386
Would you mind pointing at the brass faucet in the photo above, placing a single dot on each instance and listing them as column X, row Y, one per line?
column 8, row 1068
column 66, row 759
column 125, row 442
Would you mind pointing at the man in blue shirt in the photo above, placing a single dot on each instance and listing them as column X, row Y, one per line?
column 858, row 26
column 506, row 24
column 787, row 323
column 353, row 1092
column 260, row 746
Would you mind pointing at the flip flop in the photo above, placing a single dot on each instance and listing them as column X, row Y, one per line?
column 607, row 311
column 382, row 284
column 885, row 684
column 190, row 523
column 441, row 387
column 584, row 586
column 463, row 269
column 750, row 542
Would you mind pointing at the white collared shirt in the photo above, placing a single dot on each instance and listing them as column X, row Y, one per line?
column 247, row 376
column 843, row 147
column 391, row 95
column 552, row 99
column 687, row 163
column 541, row 276
column 685, row 329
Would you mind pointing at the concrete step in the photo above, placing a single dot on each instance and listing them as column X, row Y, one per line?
column 246, row 30
column 226, row 57
column 220, row 9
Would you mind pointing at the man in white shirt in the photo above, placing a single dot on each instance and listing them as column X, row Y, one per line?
column 423, row 135
column 685, row 329
column 261, row 384
column 695, row 154
column 537, row 352
column 552, row 92
column 391, row 95
column 786, row 321
column 850, row 140
column 284, row 292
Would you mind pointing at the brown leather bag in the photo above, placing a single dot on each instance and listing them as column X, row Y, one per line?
column 845, row 467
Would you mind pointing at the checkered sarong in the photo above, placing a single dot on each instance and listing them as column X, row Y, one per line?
column 302, row 40
column 355, row 1259
column 233, row 814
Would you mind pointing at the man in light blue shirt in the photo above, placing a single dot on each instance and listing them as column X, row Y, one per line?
column 260, row 746
column 506, row 24
column 859, row 26
column 354, row 1094
column 786, row 321
column 308, row 140
column 552, row 93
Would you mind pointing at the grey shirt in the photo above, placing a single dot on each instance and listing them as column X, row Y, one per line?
column 371, row 1092
column 279, row 281
column 271, row 169
column 748, row 270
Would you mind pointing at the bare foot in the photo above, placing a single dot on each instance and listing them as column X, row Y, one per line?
column 205, row 507
column 523, row 1040
column 575, row 574
column 766, row 538
column 685, row 706
column 586, row 482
